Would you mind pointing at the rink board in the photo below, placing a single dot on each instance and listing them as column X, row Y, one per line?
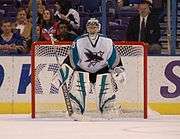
column 14, row 72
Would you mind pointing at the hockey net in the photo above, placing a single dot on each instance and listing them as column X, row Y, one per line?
column 49, row 102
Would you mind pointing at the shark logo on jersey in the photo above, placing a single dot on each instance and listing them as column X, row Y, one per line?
column 93, row 57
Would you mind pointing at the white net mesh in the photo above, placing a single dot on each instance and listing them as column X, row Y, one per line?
column 49, row 100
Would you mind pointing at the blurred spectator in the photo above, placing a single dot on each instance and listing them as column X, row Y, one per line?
column 48, row 26
column 11, row 43
column 22, row 24
column 38, row 32
column 40, row 9
column 125, row 5
column 66, row 34
column 64, row 11
column 122, row 3
column 145, row 28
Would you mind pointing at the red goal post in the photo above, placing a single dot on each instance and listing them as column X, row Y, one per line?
column 43, row 50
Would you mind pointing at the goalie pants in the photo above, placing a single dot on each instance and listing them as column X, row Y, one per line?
column 93, row 76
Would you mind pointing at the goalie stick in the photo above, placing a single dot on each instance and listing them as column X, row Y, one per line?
column 65, row 86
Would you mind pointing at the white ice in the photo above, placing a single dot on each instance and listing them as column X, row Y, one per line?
column 23, row 127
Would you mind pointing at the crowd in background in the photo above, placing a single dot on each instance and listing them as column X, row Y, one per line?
column 66, row 20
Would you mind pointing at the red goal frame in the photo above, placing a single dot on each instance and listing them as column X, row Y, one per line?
column 36, row 44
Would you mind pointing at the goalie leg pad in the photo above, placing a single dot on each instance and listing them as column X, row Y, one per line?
column 106, row 94
column 78, row 91
column 60, row 76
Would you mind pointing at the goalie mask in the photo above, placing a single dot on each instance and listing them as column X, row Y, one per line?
column 93, row 27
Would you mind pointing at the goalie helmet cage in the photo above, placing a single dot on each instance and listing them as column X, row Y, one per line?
column 47, row 103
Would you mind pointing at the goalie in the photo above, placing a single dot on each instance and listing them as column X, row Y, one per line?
column 98, row 70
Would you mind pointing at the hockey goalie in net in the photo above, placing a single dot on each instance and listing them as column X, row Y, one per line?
column 96, row 69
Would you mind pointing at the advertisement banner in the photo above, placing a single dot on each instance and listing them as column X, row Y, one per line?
column 15, row 84
column 164, row 84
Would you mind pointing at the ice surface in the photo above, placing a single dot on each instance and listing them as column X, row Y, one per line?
column 23, row 127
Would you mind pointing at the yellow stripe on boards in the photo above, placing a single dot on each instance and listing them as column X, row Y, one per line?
column 15, row 108
column 166, row 108
column 25, row 108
